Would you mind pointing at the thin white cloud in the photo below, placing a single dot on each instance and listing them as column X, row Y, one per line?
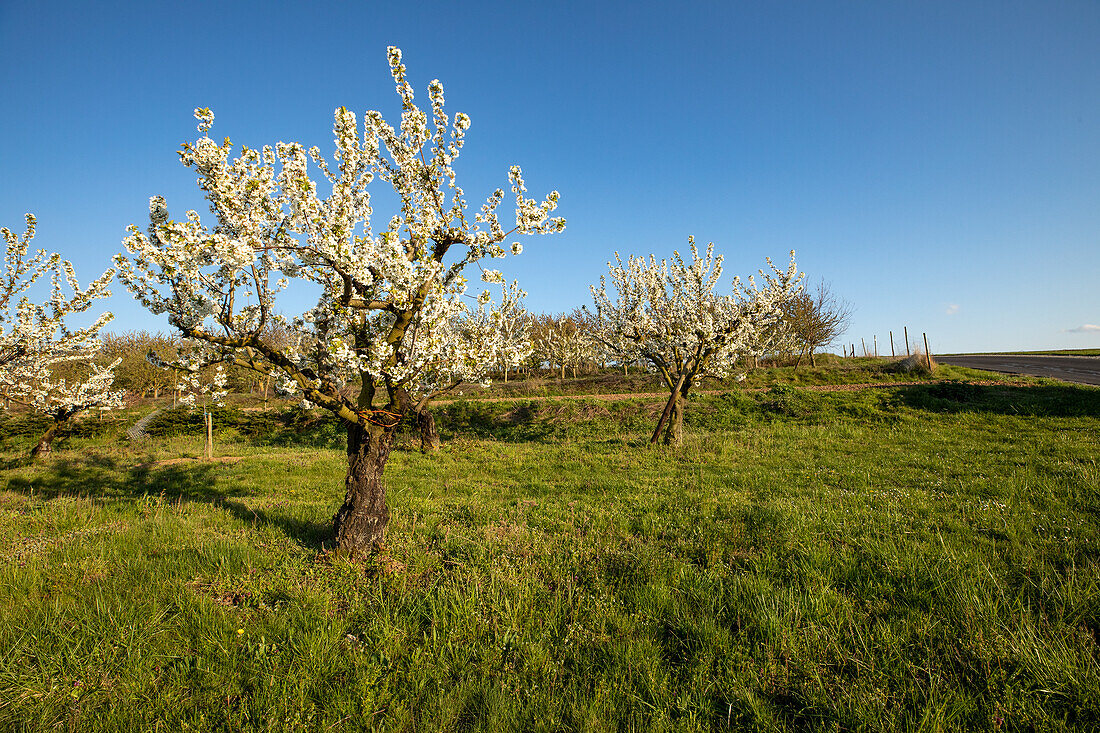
column 952, row 309
column 1085, row 328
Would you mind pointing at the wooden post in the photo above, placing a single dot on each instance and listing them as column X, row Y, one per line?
column 875, row 337
column 927, row 353
column 907, row 352
column 864, row 343
column 209, row 436
column 891, row 344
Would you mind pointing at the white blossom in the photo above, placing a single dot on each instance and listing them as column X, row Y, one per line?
column 669, row 314
column 389, row 296
column 44, row 363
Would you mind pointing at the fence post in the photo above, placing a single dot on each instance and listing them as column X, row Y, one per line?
column 875, row 337
column 864, row 345
column 927, row 353
column 907, row 352
column 209, row 436
column 891, row 344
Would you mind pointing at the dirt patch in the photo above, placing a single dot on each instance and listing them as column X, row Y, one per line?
column 231, row 598
column 217, row 459
column 178, row 461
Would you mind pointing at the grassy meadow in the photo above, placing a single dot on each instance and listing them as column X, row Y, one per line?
column 920, row 557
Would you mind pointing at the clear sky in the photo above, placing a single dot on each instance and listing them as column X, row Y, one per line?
column 937, row 162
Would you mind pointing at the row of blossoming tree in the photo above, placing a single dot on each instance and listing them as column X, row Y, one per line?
column 391, row 329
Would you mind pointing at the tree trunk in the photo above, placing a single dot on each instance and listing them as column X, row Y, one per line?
column 360, row 524
column 563, row 372
column 674, row 429
column 813, row 361
column 45, row 443
column 675, row 401
column 429, row 435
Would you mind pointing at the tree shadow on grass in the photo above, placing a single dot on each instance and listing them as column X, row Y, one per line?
column 1041, row 401
column 102, row 479
column 307, row 533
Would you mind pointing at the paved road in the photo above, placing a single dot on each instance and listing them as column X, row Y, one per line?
column 1080, row 369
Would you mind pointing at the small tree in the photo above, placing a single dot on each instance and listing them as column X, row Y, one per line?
column 474, row 343
column 669, row 314
column 563, row 344
column 513, row 323
column 135, row 373
column 381, row 290
column 815, row 319
column 199, row 376
column 774, row 341
column 44, row 365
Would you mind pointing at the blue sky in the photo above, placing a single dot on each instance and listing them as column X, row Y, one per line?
column 937, row 163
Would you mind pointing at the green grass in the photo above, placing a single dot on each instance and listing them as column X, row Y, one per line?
column 909, row 558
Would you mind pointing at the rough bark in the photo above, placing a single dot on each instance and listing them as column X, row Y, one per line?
column 429, row 434
column 45, row 443
column 813, row 360
column 360, row 524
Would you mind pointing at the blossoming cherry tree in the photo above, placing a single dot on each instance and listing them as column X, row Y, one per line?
column 475, row 342
column 669, row 314
column 385, row 291
column 45, row 365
